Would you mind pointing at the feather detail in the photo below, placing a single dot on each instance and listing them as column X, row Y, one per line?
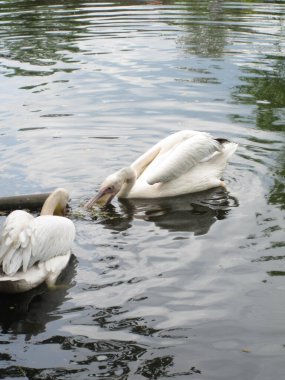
column 26, row 257
column 34, row 240
column 4, row 247
column 35, row 250
column 183, row 157
column 15, row 262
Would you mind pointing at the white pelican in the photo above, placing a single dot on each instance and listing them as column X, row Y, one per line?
column 184, row 162
column 35, row 250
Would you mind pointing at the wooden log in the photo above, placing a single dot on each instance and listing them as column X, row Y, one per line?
column 31, row 202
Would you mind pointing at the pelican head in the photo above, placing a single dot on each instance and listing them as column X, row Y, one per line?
column 115, row 184
column 56, row 203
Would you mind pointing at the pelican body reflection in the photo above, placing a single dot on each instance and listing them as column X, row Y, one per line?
column 194, row 213
column 29, row 312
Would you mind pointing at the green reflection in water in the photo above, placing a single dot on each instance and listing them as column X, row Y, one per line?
column 276, row 273
column 38, row 37
column 267, row 91
column 277, row 194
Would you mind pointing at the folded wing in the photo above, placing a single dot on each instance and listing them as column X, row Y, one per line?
column 182, row 157
column 26, row 240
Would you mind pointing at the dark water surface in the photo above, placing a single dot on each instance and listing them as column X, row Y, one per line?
column 188, row 288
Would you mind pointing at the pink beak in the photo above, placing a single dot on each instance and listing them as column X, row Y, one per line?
column 103, row 198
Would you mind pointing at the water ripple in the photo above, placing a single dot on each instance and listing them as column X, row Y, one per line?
column 174, row 287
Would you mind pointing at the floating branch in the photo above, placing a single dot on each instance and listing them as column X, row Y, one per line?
column 31, row 202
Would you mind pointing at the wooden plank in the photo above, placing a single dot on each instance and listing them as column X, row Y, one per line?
column 29, row 201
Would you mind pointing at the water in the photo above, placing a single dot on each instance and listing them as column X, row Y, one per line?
column 191, row 287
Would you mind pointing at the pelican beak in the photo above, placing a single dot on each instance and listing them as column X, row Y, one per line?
column 103, row 198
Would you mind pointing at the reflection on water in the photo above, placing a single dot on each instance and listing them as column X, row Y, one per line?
column 193, row 212
column 181, row 287
column 266, row 90
column 28, row 313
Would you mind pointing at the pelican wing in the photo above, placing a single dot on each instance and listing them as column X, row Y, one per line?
column 15, row 223
column 51, row 236
column 182, row 157
column 27, row 240
column 160, row 148
column 15, row 241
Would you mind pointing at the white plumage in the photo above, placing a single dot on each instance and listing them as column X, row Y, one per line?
column 35, row 250
column 184, row 162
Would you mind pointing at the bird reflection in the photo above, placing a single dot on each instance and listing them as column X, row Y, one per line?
column 29, row 312
column 194, row 213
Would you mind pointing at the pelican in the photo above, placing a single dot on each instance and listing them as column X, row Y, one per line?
column 35, row 250
column 184, row 162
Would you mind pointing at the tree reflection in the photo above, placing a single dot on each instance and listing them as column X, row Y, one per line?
column 277, row 193
column 206, row 39
column 265, row 91
column 38, row 36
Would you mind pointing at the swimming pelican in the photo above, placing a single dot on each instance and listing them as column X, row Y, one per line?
column 184, row 162
column 35, row 250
